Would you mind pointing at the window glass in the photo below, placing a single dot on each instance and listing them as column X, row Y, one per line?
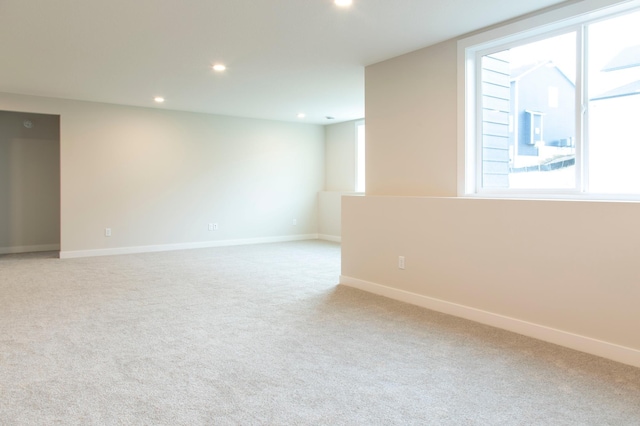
column 528, row 121
column 556, row 112
column 614, row 105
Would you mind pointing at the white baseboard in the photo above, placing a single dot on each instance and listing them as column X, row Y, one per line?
column 29, row 249
column 182, row 246
column 589, row 345
column 334, row 238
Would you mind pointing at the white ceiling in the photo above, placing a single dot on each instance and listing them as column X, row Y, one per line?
column 283, row 56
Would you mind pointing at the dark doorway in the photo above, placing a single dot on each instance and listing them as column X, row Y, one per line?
column 29, row 182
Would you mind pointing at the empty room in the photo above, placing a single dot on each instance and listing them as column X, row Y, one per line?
column 319, row 212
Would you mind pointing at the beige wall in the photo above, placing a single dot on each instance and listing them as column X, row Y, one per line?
column 330, row 214
column 562, row 271
column 558, row 264
column 158, row 177
column 29, row 182
column 340, row 157
column 410, row 104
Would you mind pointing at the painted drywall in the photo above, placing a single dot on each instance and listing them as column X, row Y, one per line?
column 410, row 105
column 330, row 214
column 158, row 177
column 567, row 268
column 340, row 177
column 340, row 157
column 29, row 182
column 552, row 263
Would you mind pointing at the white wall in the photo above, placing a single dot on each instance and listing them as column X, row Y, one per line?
column 563, row 271
column 340, row 176
column 158, row 177
column 29, row 183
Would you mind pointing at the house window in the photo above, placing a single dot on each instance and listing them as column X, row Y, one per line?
column 360, row 157
column 551, row 110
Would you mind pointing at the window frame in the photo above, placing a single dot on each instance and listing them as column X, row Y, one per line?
column 558, row 21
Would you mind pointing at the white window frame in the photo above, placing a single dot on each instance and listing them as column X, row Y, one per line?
column 557, row 21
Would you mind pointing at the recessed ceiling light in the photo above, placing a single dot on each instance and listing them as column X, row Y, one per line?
column 301, row 115
column 343, row 3
column 219, row 67
column 159, row 99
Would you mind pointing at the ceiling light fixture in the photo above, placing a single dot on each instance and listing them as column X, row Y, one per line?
column 301, row 115
column 219, row 67
column 343, row 3
column 159, row 99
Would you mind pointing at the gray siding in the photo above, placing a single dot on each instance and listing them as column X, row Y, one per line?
column 496, row 100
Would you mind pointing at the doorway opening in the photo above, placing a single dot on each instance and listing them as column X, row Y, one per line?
column 29, row 182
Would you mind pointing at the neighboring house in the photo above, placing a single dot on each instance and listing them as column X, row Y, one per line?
column 625, row 66
column 628, row 57
column 543, row 109
column 629, row 89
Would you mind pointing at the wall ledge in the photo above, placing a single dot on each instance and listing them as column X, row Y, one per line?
column 577, row 342
column 70, row 254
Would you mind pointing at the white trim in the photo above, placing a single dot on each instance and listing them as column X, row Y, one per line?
column 29, row 249
column 183, row 246
column 466, row 117
column 586, row 344
column 549, row 21
column 334, row 238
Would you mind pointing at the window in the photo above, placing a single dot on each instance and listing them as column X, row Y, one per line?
column 360, row 167
column 553, row 109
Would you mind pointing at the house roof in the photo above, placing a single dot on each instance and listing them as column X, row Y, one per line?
column 626, row 58
column 630, row 89
column 518, row 73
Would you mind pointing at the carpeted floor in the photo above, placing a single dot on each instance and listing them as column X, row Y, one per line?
column 262, row 335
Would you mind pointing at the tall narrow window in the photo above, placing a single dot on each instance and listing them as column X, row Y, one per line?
column 360, row 157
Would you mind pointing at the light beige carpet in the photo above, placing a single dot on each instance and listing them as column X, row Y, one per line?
column 262, row 334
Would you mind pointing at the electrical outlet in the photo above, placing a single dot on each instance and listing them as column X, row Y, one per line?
column 107, row 232
column 215, row 226
column 400, row 262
